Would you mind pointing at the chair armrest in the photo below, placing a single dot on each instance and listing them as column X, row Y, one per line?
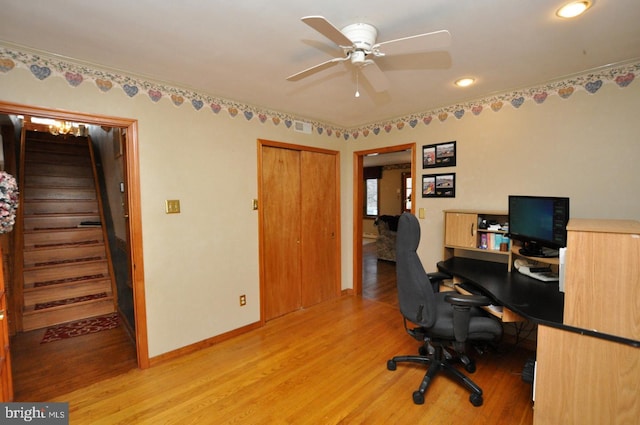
column 462, row 304
column 463, row 300
column 438, row 276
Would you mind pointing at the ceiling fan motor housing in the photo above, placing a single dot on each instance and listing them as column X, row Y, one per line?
column 363, row 36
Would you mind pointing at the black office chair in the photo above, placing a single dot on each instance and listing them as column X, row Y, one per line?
column 443, row 321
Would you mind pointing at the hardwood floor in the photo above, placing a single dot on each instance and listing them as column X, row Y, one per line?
column 44, row 371
column 321, row 365
column 378, row 277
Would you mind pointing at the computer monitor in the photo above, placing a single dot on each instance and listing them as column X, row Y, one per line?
column 540, row 223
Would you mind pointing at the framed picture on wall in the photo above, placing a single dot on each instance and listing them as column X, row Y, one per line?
column 439, row 185
column 439, row 155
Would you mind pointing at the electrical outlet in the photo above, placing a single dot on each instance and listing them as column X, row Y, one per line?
column 243, row 300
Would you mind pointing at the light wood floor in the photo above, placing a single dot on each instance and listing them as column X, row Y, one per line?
column 43, row 371
column 322, row 365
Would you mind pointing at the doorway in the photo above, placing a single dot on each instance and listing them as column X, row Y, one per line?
column 358, row 210
column 131, row 188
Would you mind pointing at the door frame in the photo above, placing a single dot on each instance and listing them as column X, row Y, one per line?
column 133, row 191
column 358, row 199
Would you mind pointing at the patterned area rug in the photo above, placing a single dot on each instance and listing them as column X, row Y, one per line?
column 81, row 327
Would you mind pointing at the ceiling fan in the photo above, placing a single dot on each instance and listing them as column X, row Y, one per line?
column 358, row 42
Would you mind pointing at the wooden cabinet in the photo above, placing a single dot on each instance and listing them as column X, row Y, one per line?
column 586, row 379
column 463, row 231
column 465, row 236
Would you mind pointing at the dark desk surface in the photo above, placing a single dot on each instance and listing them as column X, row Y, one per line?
column 540, row 302
column 534, row 300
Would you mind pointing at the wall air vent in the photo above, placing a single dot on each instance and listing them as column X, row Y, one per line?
column 302, row 127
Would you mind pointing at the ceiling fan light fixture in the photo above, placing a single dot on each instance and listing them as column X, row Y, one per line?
column 573, row 9
column 465, row 82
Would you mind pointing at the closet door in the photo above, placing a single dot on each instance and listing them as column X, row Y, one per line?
column 319, row 238
column 299, row 233
column 280, row 203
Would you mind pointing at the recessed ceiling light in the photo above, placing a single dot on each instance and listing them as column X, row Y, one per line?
column 573, row 9
column 464, row 82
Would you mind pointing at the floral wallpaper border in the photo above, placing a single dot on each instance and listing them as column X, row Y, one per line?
column 43, row 67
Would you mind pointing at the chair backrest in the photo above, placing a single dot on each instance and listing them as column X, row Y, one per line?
column 415, row 293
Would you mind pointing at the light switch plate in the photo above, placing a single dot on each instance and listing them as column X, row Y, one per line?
column 172, row 206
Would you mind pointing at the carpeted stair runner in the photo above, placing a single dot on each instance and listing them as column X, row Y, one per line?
column 57, row 303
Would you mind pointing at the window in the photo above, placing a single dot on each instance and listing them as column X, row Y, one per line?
column 371, row 198
column 406, row 191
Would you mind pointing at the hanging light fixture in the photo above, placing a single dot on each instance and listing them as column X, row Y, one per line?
column 67, row 127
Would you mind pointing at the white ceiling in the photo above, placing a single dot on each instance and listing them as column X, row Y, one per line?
column 244, row 50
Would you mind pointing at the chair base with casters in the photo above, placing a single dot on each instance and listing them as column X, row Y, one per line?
column 434, row 355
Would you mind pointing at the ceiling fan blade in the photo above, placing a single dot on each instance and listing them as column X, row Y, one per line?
column 317, row 68
column 326, row 28
column 416, row 43
column 375, row 76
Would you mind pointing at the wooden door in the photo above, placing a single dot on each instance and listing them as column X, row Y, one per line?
column 461, row 230
column 320, row 241
column 280, row 204
column 6, row 381
column 300, row 239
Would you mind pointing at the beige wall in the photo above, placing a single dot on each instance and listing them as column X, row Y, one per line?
column 198, row 262
column 586, row 147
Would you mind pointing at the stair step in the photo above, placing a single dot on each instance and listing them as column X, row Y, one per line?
column 68, row 301
column 44, row 275
column 52, row 169
column 60, row 206
column 43, row 238
column 33, row 180
column 66, row 290
column 37, row 319
column 57, row 221
column 59, row 193
column 43, row 141
column 61, row 159
column 56, row 254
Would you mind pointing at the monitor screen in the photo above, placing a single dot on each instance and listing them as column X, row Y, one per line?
column 539, row 222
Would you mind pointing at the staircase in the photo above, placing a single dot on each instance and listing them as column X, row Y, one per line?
column 66, row 267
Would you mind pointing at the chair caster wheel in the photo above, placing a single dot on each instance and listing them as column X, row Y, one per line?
column 423, row 351
column 391, row 365
column 476, row 399
column 418, row 397
column 470, row 367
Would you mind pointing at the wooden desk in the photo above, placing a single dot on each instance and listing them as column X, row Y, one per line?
column 537, row 301
column 588, row 352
